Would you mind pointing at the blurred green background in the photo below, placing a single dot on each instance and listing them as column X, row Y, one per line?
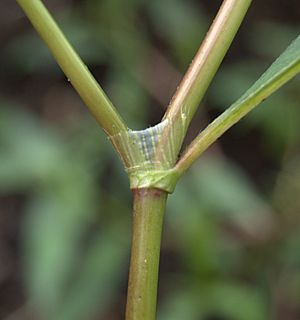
column 231, row 243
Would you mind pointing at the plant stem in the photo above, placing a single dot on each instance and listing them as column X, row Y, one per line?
column 73, row 67
column 148, row 212
column 281, row 71
column 203, row 67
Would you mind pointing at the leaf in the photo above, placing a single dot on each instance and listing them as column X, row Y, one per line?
column 282, row 70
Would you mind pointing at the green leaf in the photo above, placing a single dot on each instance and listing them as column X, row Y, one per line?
column 281, row 71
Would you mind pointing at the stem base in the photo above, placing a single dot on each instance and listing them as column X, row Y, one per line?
column 148, row 212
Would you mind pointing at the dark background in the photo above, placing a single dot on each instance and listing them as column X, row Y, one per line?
column 231, row 240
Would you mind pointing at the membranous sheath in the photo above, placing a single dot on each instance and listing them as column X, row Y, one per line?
column 147, row 158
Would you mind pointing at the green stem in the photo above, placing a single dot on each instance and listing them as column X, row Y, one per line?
column 148, row 212
column 73, row 67
column 283, row 69
column 203, row 68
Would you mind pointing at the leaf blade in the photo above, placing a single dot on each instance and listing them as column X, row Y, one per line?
column 285, row 67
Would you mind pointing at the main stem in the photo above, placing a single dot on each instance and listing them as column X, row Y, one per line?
column 148, row 213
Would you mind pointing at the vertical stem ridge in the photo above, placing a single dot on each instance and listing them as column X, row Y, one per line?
column 148, row 213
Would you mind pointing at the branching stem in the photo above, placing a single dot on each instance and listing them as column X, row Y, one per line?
column 139, row 149
column 203, row 67
column 281, row 71
column 73, row 67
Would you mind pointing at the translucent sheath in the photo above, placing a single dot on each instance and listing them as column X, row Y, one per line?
column 147, row 160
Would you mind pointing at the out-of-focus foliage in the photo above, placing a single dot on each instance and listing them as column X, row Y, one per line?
column 231, row 240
